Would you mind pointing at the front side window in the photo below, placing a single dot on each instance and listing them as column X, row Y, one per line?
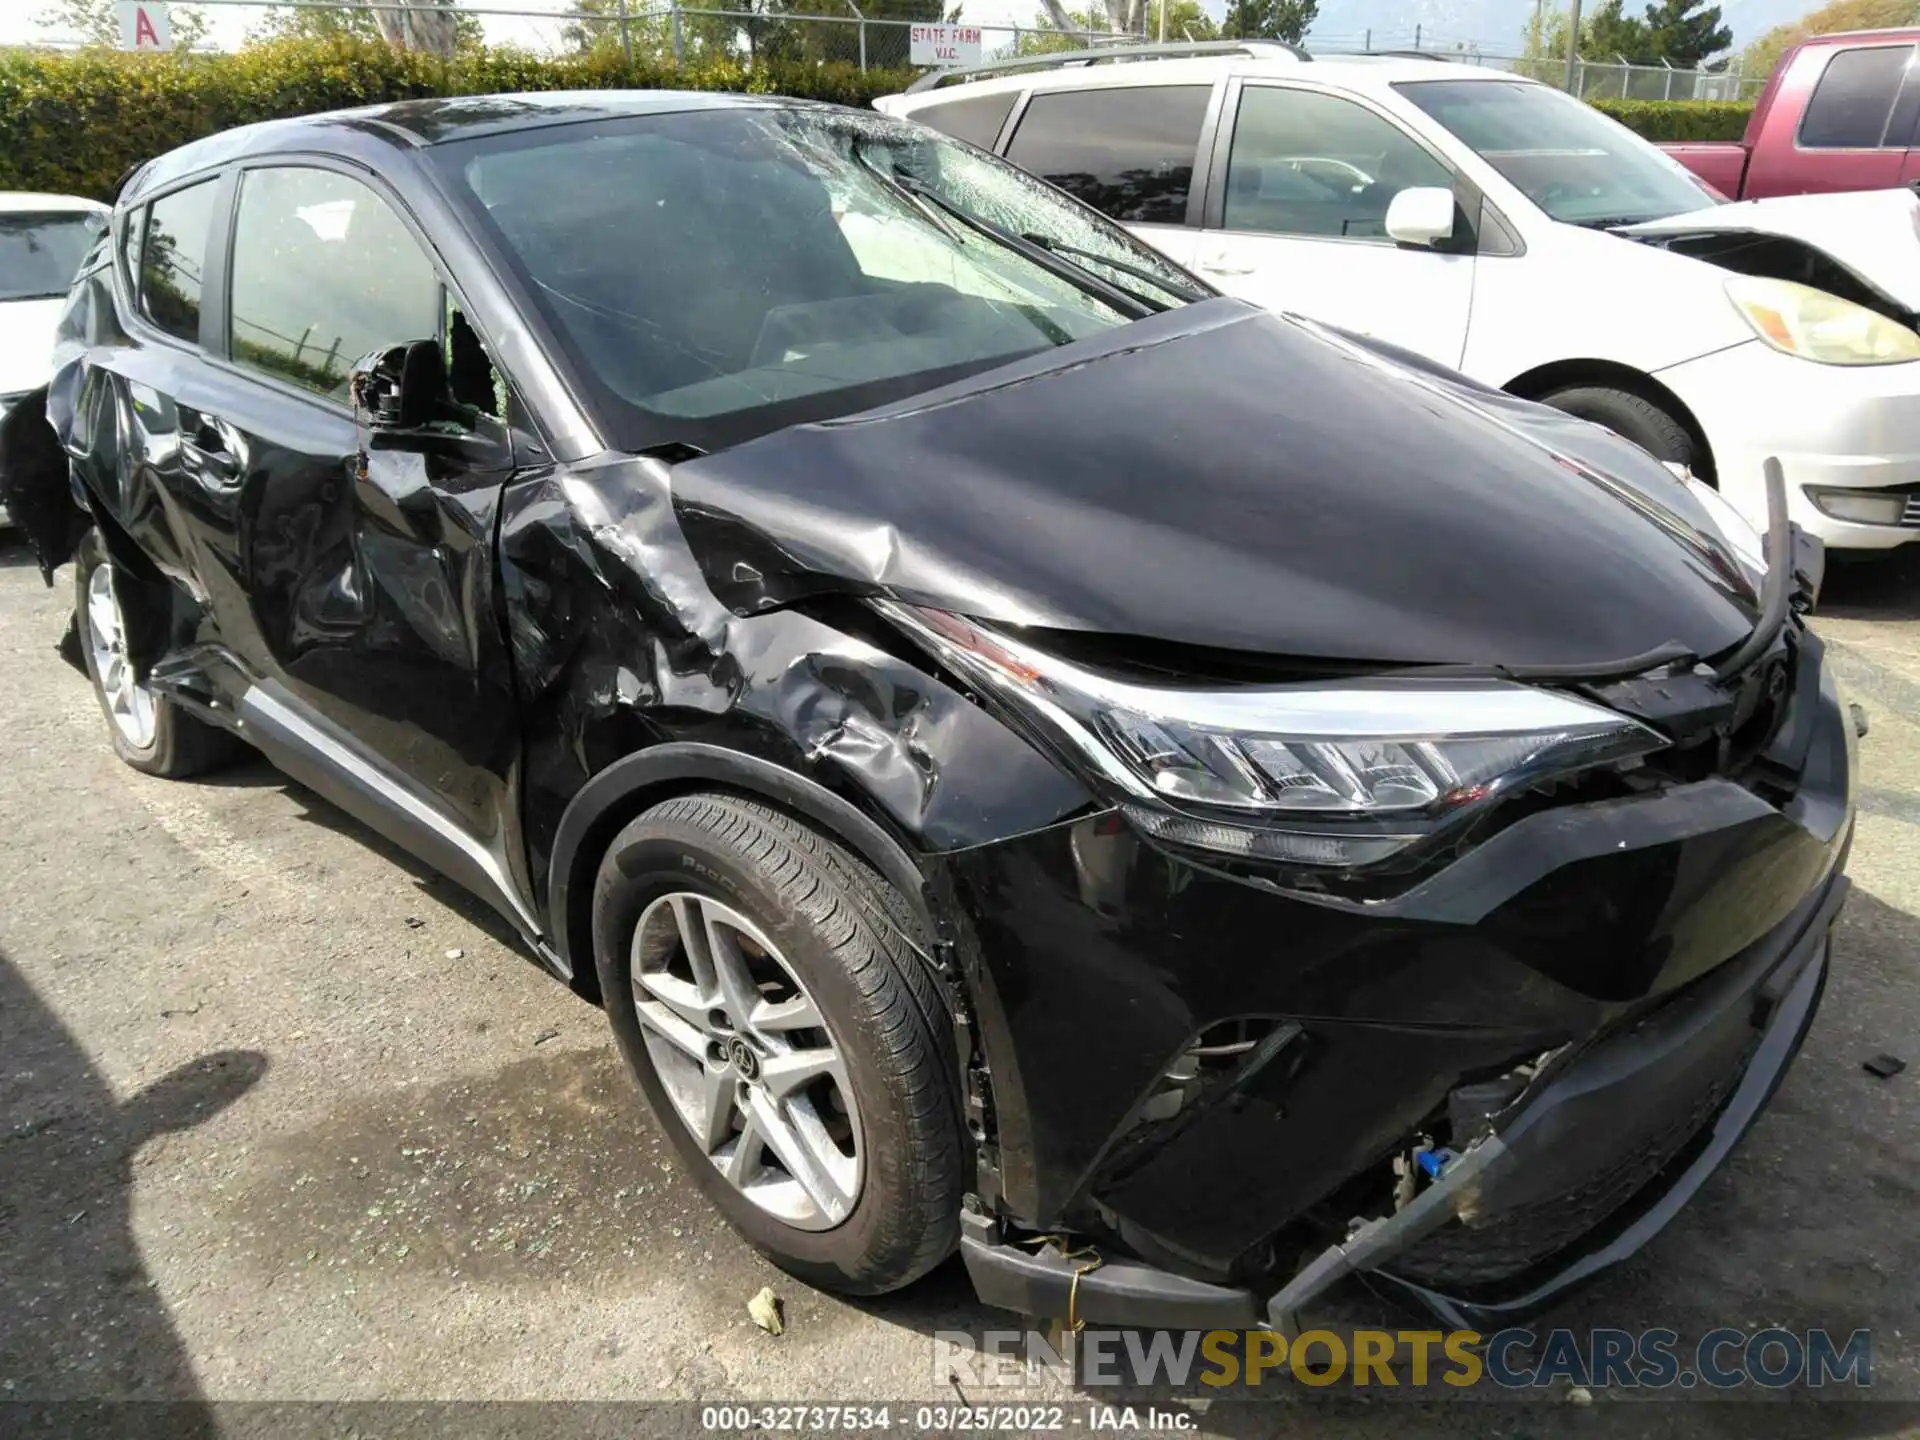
column 712, row 275
column 1307, row 163
column 41, row 253
column 1562, row 154
column 324, row 273
column 976, row 120
column 1849, row 106
column 171, row 253
column 1127, row 153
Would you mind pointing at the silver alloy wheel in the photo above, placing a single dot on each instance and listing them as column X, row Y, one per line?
column 129, row 703
column 746, row 1057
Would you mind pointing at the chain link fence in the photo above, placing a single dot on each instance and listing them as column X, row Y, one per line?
column 1591, row 79
column 838, row 30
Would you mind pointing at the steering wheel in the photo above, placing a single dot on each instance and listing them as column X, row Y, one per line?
column 1555, row 191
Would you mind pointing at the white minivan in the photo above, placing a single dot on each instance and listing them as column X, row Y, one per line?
column 43, row 239
column 1505, row 229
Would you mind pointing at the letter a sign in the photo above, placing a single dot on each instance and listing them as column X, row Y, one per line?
column 143, row 25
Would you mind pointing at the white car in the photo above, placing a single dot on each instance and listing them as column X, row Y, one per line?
column 1484, row 221
column 43, row 239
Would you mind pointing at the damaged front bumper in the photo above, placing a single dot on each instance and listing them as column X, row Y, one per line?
column 1758, row 1006
column 1647, row 966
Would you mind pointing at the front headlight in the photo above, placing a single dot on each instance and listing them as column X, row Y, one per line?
column 1814, row 325
column 1340, row 773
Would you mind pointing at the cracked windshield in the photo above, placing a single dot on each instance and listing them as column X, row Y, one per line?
column 715, row 276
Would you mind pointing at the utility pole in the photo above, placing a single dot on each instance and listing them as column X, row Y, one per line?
column 1573, row 44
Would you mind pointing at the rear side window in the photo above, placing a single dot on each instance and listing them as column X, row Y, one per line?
column 324, row 273
column 1128, row 153
column 171, row 253
column 1850, row 105
column 977, row 120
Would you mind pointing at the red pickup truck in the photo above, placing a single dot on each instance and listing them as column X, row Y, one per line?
column 1837, row 113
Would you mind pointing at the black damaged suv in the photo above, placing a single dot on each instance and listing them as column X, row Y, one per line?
column 1020, row 745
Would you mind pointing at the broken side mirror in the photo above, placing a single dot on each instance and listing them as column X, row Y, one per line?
column 403, row 398
column 1421, row 215
column 399, row 389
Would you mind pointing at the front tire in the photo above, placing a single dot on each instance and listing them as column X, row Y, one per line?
column 791, row 1044
column 1630, row 416
column 149, row 731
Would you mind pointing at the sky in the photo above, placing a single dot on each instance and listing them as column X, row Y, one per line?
column 231, row 22
column 1339, row 26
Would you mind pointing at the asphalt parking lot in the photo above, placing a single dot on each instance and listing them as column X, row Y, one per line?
column 283, row 1118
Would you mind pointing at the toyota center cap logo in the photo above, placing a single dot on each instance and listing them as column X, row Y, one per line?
column 744, row 1060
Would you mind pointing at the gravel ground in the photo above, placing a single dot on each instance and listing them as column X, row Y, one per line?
column 283, row 1118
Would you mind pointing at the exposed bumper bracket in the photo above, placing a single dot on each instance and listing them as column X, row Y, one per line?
column 1373, row 1241
column 1118, row 1292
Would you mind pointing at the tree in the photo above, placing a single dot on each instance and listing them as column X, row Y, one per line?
column 1686, row 33
column 1669, row 30
column 429, row 26
column 643, row 29
column 825, row 39
column 351, row 20
column 1610, row 35
column 1759, row 58
column 98, row 23
column 1269, row 19
column 1185, row 20
column 1123, row 17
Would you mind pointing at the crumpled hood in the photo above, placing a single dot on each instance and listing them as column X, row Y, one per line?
column 1873, row 233
column 1224, row 477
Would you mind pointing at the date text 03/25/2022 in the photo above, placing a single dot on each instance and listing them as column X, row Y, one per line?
column 944, row 1419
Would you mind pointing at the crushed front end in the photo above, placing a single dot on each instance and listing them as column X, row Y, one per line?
column 1482, row 1078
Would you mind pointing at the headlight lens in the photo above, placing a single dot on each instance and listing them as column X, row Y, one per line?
column 1382, row 760
column 1814, row 325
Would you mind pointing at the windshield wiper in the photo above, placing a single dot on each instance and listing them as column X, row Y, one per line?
column 1060, row 247
column 1609, row 222
column 1075, row 274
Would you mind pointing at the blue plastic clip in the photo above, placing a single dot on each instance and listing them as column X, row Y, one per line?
column 1434, row 1161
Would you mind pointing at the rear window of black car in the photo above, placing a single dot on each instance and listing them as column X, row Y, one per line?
column 976, row 120
column 1128, row 153
column 171, row 252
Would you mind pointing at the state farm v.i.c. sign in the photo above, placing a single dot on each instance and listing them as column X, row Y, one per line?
column 944, row 45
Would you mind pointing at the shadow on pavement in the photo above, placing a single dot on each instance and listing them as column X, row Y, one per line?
column 80, row 1320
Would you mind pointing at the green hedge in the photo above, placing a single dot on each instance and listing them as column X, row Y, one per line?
column 1666, row 120
column 73, row 122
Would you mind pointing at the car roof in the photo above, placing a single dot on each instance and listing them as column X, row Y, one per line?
column 417, row 124
column 15, row 202
column 1893, row 35
column 1363, row 73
